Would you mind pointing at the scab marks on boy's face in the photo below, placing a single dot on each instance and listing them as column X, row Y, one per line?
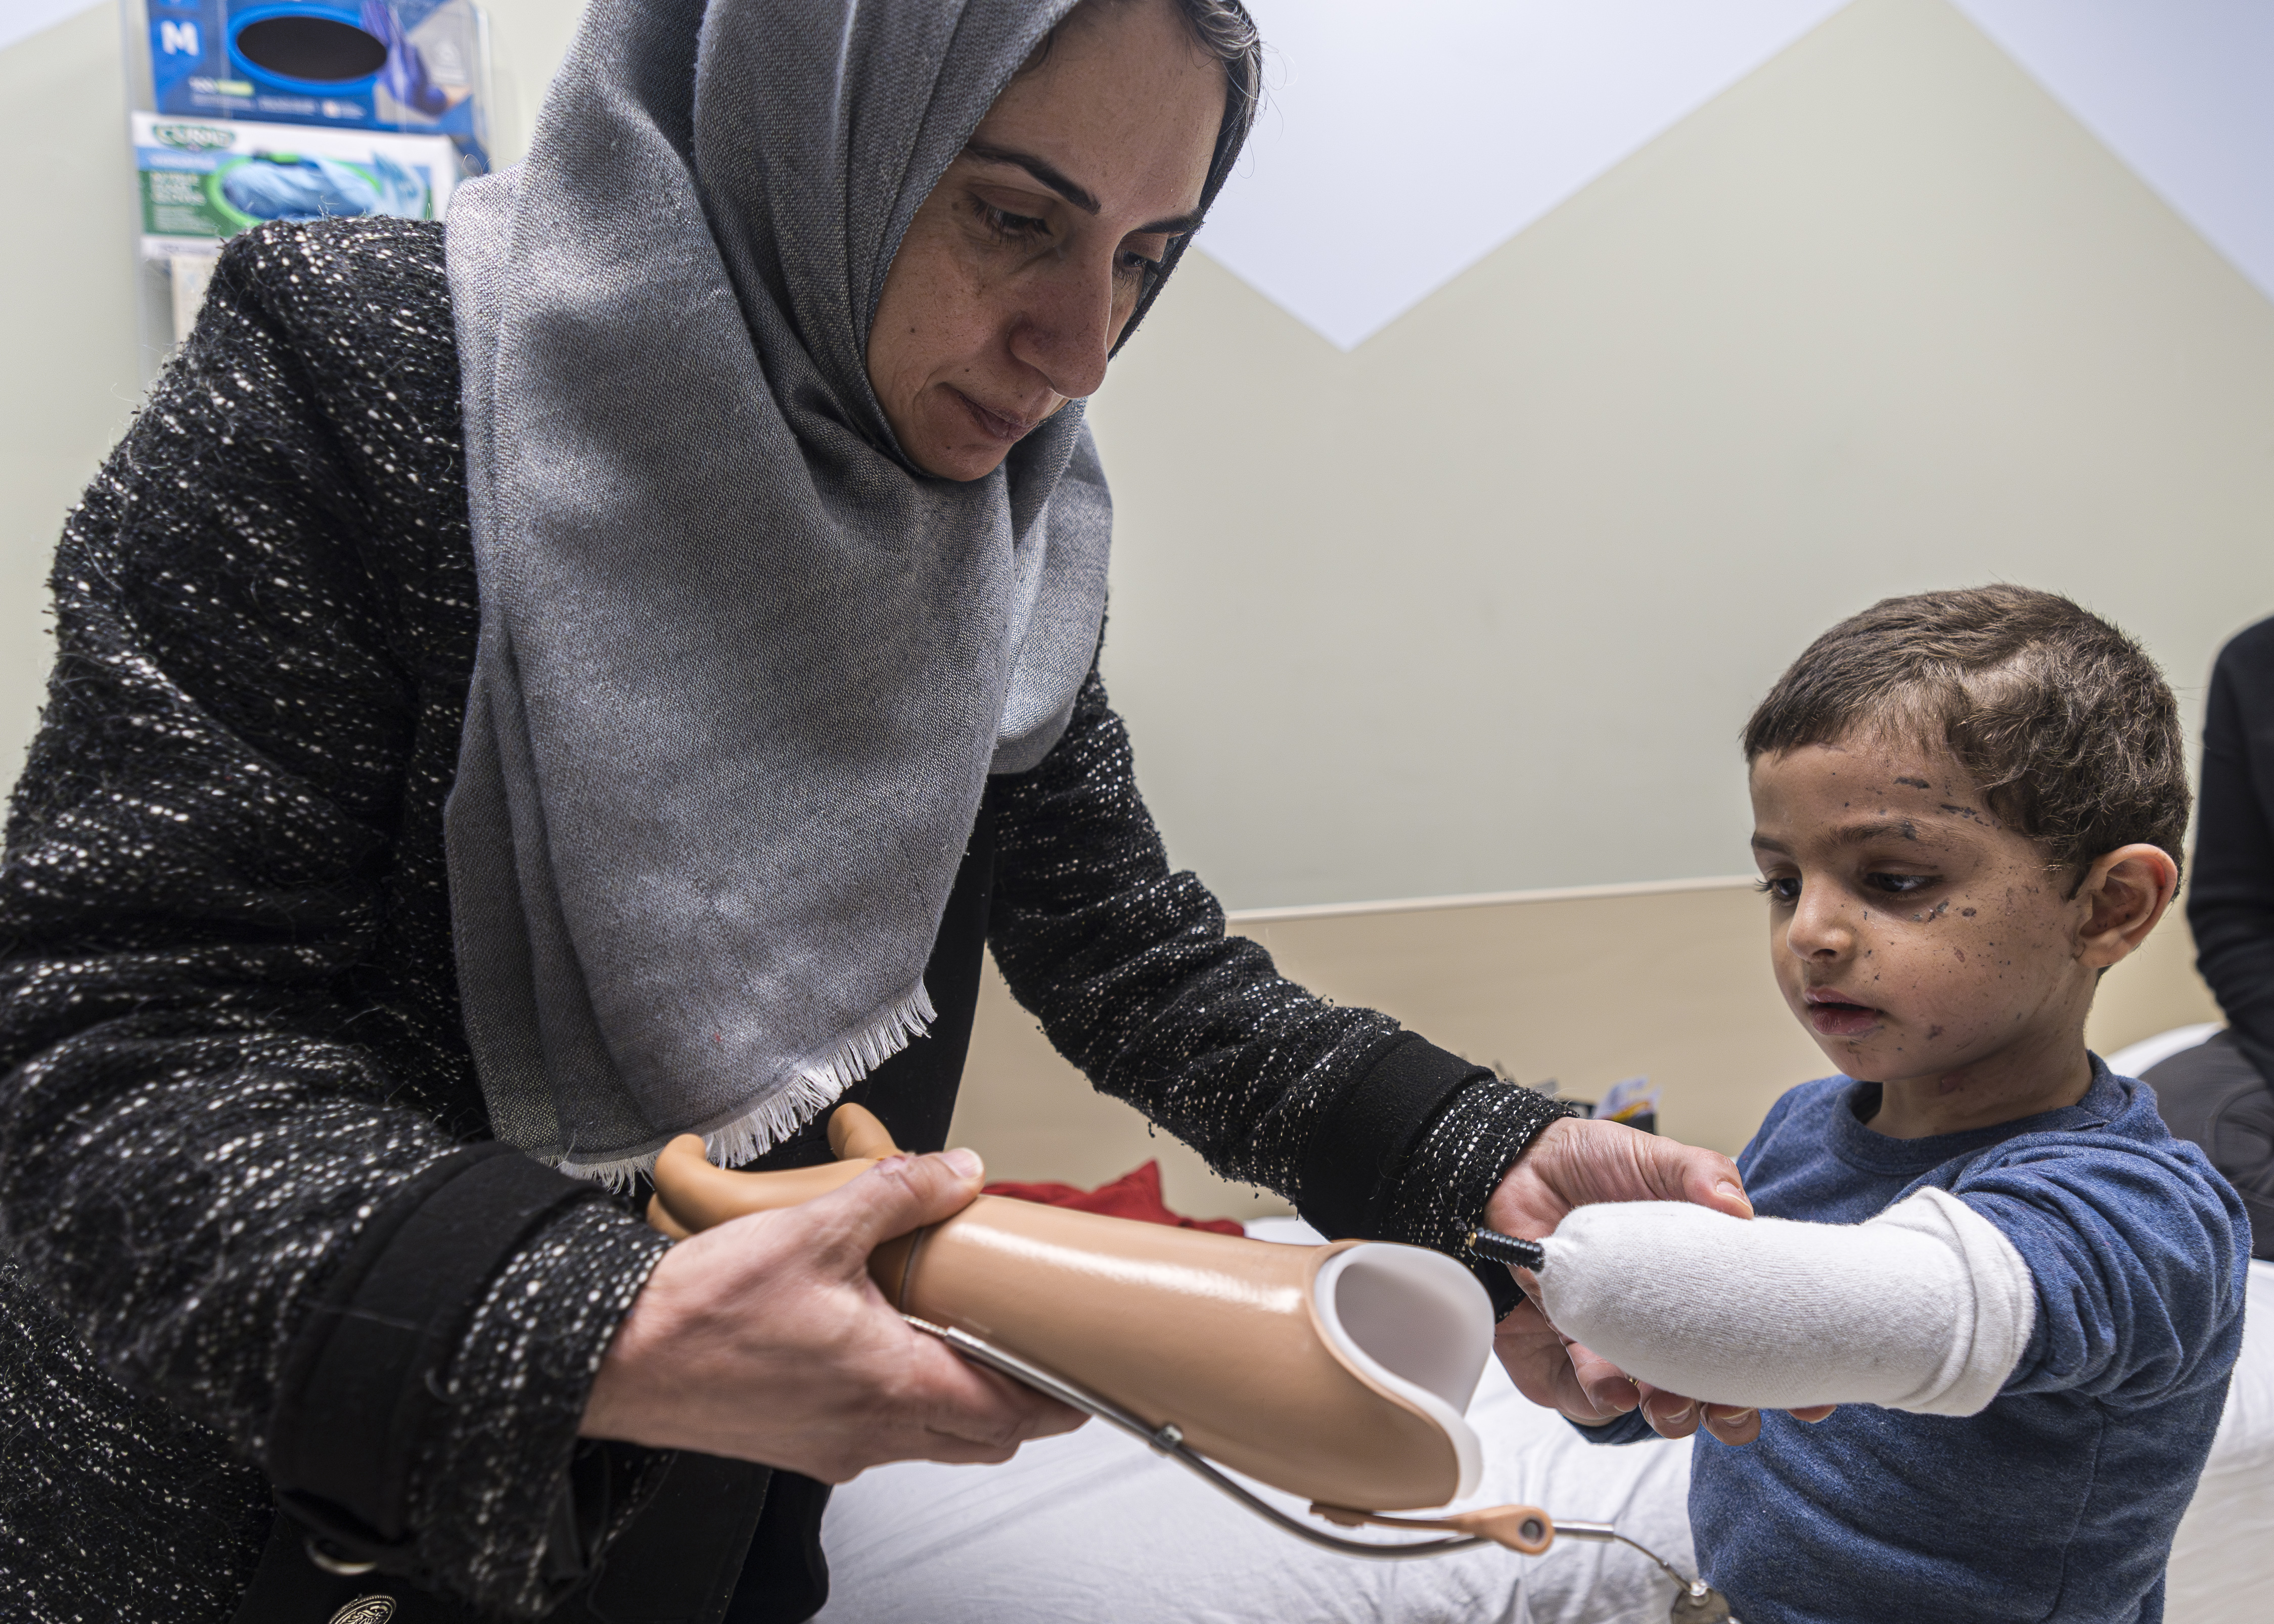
column 1921, row 940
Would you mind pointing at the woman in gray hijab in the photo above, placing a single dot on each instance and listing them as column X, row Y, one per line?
column 601, row 673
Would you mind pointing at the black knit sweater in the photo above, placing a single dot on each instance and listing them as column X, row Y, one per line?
column 234, row 1071
column 2231, row 897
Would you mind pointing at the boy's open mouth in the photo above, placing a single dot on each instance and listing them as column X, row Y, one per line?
column 1837, row 1015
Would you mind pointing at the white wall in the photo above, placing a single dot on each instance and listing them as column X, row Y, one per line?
column 1479, row 604
column 74, row 369
column 67, row 291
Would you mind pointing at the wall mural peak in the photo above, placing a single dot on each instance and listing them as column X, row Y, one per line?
column 1402, row 144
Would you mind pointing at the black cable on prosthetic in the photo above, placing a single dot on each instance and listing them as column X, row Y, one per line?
column 1492, row 1245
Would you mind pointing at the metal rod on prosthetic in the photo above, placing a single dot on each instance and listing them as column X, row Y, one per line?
column 1168, row 1440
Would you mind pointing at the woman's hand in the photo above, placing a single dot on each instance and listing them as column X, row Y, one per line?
column 764, row 1339
column 1572, row 1163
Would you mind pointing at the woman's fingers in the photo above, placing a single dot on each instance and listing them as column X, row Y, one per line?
column 763, row 1339
column 1550, row 1369
column 1626, row 1165
column 1609, row 1389
column 1670, row 1415
column 937, row 1406
column 979, row 1407
column 1532, row 1354
column 1575, row 1162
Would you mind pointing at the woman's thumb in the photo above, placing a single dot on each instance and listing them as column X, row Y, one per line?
column 1692, row 1173
column 902, row 1193
column 1710, row 1179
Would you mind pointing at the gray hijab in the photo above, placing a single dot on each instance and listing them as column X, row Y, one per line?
column 743, row 673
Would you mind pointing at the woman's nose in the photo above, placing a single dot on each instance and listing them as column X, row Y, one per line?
column 1066, row 326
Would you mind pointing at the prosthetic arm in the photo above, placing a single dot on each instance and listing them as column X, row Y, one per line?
column 1338, row 1372
column 1927, row 1307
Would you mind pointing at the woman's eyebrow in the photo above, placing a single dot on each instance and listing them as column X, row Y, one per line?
column 1071, row 190
column 1043, row 170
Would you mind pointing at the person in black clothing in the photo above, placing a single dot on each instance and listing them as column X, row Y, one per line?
column 302, row 1009
column 2220, row 1093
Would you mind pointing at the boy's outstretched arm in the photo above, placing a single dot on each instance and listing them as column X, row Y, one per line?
column 2108, row 1269
column 1927, row 1307
column 1578, row 1164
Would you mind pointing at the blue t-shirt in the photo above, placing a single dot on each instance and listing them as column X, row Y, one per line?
column 2057, row 1502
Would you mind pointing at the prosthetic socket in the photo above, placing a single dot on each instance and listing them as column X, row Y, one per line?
column 1338, row 1372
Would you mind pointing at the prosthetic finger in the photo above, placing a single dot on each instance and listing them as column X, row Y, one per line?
column 856, row 1133
column 691, row 1194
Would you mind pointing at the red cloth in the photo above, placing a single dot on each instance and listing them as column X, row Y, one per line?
column 1135, row 1194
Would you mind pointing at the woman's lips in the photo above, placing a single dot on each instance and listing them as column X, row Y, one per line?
column 1834, row 1016
column 994, row 424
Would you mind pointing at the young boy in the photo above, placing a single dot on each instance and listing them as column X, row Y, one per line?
column 2022, row 1291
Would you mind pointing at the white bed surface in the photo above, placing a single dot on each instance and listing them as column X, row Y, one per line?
column 2223, row 1557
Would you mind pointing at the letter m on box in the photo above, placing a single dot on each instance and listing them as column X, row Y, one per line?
column 178, row 39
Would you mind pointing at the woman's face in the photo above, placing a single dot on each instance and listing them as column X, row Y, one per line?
column 1022, row 267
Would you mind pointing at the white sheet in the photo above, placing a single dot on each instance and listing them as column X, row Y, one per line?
column 1095, row 1529
column 2223, row 1558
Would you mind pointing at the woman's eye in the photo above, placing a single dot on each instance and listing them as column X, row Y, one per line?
column 1010, row 227
column 1782, row 888
column 1899, row 884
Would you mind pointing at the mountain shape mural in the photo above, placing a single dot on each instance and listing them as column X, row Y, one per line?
column 1399, row 145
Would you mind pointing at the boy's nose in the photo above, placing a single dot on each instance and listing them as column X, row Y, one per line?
column 1819, row 930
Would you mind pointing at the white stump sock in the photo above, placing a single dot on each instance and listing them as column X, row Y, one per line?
column 1927, row 1307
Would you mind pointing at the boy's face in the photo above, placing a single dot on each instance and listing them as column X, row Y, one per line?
column 1918, row 939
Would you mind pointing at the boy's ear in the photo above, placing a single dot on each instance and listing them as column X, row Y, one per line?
column 2124, row 894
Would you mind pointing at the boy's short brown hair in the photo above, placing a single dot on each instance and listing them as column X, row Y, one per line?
column 2064, row 721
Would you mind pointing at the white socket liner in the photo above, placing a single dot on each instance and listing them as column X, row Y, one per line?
column 1418, row 1323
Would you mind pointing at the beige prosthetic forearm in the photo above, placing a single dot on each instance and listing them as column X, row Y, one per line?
column 1338, row 1372
column 1926, row 1307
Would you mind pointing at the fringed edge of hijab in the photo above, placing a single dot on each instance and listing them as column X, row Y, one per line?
column 817, row 1083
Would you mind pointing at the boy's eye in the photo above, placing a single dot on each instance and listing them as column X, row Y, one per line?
column 1782, row 888
column 1897, row 884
